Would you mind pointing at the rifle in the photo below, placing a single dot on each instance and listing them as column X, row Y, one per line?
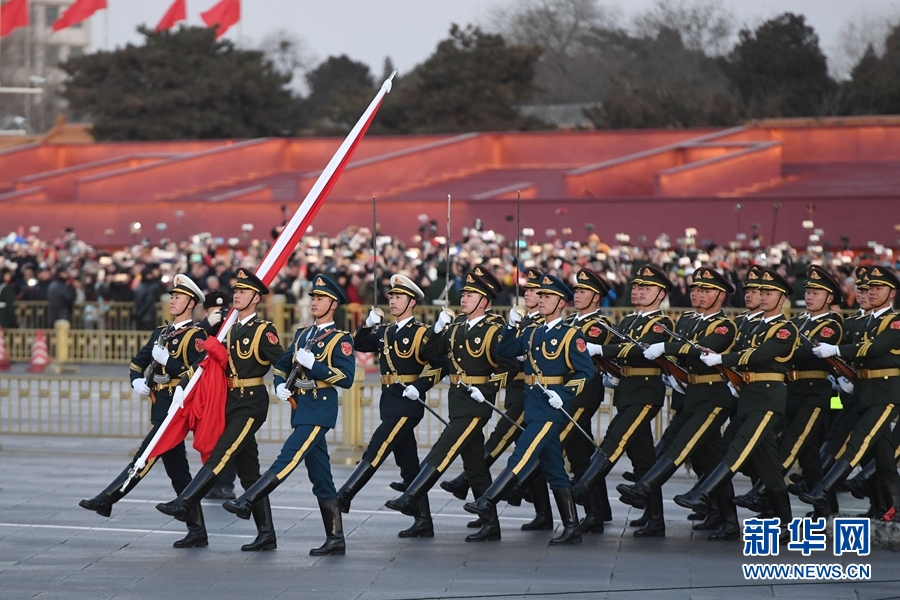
column 840, row 368
column 728, row 373
column 444, row 298
column 149, row 380
column 569, row 417
column 665, row 364
column 291, row 380
column 493, row 408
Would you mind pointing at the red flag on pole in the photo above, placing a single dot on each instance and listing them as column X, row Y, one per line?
column 177, row 12
column 79, row 11
column 13, row 14
column 222, row 16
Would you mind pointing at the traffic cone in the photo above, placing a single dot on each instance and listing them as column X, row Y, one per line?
column 40, row 356
column 4, row 361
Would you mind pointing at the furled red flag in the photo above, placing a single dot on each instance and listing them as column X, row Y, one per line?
column 223, row 15
column 78, row 12
column 13, row 14
column 177, row 12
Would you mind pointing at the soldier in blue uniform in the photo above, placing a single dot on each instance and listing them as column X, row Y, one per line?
column 405, row 379
column 557, row 367
column 253, row 347
column 173, row 351
column 319, row 359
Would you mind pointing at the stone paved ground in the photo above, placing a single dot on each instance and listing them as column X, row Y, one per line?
column 50, row 548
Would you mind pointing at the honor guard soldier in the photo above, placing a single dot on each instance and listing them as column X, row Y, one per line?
column 477, row 373
column 878, row 380
column 253, row 347
column 747, row 321
column 707, row 400
column 492, row 282
column 406, row 378
column 319, row 359
column 639, row 396
column 170, row 353
column 505, row 432
column 762, row 359
column 557, row 367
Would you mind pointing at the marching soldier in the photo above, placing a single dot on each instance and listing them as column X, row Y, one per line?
column 878, row 380
column 403, row 388
column 478, row 372
column 253, row 347
column 319, row 358
column 707, row 400
column 169, row 354
column 639, row 396
column 763, row 359
column 557, row 367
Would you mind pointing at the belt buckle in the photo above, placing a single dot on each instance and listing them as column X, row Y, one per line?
column 792, row 376
column 862, row 373
column 747, row 376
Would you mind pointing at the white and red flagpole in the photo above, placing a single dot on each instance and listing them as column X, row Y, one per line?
column 285, row 243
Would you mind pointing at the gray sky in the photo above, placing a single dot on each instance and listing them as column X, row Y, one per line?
column 408, row 30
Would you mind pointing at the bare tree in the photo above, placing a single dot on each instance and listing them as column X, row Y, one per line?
column 290, row 55
column 704, row 25
column 855, row 37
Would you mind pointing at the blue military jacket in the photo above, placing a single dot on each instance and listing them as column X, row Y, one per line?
column 334, row 365
column 559, row 354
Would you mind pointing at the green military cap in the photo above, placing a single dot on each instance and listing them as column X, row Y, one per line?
column 401, row 284
column 550, row 284
column 770, row 279
column 323, row 286
column 489, row 278
column 883, row 276
column 862, row 278
column 821, row 280
column 589, row 279
column 184, row 285
column 707, row 278
column 753, row 276
column 533, row 278
column 474, row 283
column 248, row 280
column 652, row 275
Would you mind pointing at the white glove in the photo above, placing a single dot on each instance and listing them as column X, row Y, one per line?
column 446, row 380
column 282, row 392
column 140, row 386
column 521, row 358
column 673, row 383
column 476, row 395
column 375, row 317
column 845, row 384
column 160, row 354
column 733, row 390
column 711, row 359
column 215, row 317
column 305, row 357
column 609, row 381
column 654, row 351
column 826, row 350
column 411, row 392
column 178, row 397
column 595, row 349
column 443, row 320
column 515, row 317
column 554, row 400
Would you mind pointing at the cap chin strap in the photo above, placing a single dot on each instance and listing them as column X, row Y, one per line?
column 477, row 304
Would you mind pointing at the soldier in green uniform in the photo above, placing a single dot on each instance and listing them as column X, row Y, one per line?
column 762, row 358
column 253, row 347
column 639, row 396
column 405, row 379
column 477, row 373
column 173, row 351
column 707, row 401
column 878, row 380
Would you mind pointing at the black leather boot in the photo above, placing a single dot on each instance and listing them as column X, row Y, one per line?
column 781, row 508
column 636, row 494
column 543, row 513
column 698, row 498
column 593, row 512
column 877, row 499
column 711, row 520
column 358, row 478
column 599, row 468
column 730, row 526
column 858, row 485
column 181, row 507
column 458, row 486
column 398, row 486
column 334, row 529
column 754, row 500
column 408, row 501
column 243, row 506
column 603, row 499
column 475, row 523
column 196, row 537
column 102, row 502
column 422, row 526
column 265, row 528
column 640, row 521
column 656, row 522
column 490, row 527
column 485, row 505
column 565, row 502
column 818, row 497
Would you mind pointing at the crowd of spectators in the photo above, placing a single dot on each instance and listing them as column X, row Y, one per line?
column 67, row 270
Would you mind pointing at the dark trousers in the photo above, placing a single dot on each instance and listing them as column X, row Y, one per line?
column 505, row 433
column 753, row 441
column 307, row 444
column 676, row 423
column 872, row 436
column 237, row 445
column 463, row 437
column 395, row 435
column 540, row 441
column 630, row 433
column 576, row 447
column 699, row 437
column 801, row 439
column 175, row 462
